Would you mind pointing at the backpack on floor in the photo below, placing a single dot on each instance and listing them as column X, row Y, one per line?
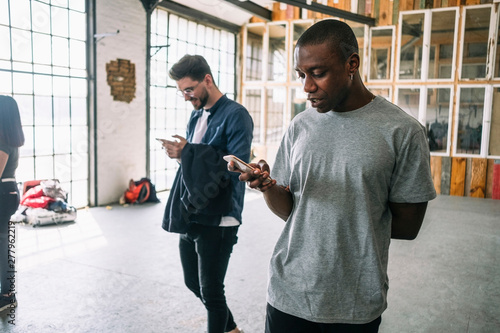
column 140, row 191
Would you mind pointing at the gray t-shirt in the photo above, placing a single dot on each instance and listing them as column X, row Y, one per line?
column 330, row 262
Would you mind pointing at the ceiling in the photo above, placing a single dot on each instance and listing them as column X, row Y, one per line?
column 235, row 13
column 225, row 10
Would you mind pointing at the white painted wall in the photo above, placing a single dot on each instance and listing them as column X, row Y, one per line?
column 121, row 127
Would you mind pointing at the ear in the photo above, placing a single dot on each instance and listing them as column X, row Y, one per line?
column 353, row 63
column 208, row 79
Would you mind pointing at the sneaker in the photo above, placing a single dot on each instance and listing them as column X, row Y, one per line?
column 7, row 302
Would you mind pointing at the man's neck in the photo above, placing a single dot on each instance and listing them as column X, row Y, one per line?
column 214, row 97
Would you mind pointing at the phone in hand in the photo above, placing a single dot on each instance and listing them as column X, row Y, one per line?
column 242, row 165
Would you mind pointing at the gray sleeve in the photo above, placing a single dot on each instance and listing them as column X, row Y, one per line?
column 411, row 181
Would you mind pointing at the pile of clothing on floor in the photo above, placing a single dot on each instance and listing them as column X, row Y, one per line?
column 44, row 203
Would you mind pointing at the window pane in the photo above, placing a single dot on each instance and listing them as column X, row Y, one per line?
column 25, row 104
column 410, row 60
column 79, row 193
column 494, row 147
column 383, row 92
column 26, row 169
column 475, row 50
column 5, row 83
column 77, row 54
column 21, row 45
column 253, row 103
column 43, row 85
column 44, row 167
column 275, row 110
column 61, row 111
column 62, row 165
column 277, row 53
column 43, row 140
column 381, row 51
column 437, row 118
column 77, row 25
column 60, row 51
column 62, row 144
column 298, row 29
column 299, row 101
column 41, row 17
column 4, row 12
column 442, row 37
column 254, row 53
column 41, row 49
column 359, row 32
column 23, row 83
column 5, row 42
column 470, row 120
column 20, row 14
column 79, row 111
column 43, row 110
column 409, row 100
column 27, row 149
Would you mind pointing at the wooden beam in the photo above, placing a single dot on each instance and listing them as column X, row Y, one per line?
column 489, row 178
column 436, row 172
column 457, row 183
column 478, row 178
column 445, row 175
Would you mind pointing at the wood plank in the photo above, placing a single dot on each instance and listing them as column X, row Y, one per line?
column 478, row 178
column 496, row 180
column 445, row 175
column 376, row 11
column 468, row 172
column 436, row 172
column 405, row 5
column 489, row 178
column 385, row 13
column 395, row 12
column 472, row 2
column 457, row 182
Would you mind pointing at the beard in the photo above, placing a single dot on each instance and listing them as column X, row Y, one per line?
column 201, row 101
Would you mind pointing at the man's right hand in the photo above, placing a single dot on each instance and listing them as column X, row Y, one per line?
column 257, row 178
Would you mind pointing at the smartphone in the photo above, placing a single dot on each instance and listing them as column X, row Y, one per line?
column 242, row 165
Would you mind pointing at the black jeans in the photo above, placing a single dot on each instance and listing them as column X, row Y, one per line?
column 205, row 252
column 280, row 322
column 9, row 201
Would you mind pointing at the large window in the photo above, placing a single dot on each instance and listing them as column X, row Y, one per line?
column 381, row 53
column 475, row 42
column 172, row 37
column 43, row 61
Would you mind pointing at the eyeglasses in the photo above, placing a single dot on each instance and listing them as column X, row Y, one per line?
column 188, row 91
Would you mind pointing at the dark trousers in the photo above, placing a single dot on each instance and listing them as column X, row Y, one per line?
column 9, row 201
column 280, row 322
column 205, row 252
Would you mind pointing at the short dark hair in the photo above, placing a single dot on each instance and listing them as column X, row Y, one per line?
column 192, row 66
column 11, row 130
column 338, row 34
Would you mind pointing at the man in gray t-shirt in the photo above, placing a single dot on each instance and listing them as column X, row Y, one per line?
column 353, row 172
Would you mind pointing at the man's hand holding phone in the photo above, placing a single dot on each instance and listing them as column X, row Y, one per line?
column 255, row 174
column 173, row 147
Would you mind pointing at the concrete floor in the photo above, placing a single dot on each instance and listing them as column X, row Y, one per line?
column 116, row 270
